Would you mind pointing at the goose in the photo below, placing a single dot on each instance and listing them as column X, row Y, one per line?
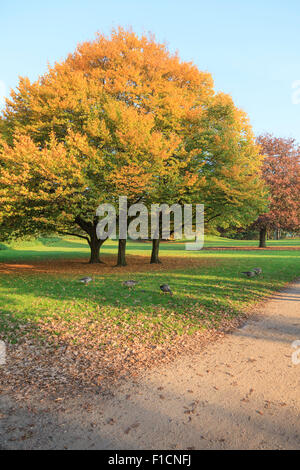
column 86, row 280
column 249, row 273
column 130, row 283
column 166, row 289
column 257, row 271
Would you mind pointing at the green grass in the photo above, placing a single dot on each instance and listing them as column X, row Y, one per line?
column 50, row 248
column 203, row 296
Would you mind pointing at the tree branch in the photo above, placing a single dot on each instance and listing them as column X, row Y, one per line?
column 214, row 217
column 73, row 235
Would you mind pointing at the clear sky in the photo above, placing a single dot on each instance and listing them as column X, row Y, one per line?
column 251, row 47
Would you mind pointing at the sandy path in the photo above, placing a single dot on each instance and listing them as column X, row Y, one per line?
column 241, row 392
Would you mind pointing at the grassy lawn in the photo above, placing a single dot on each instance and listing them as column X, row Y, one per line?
column 58, row 308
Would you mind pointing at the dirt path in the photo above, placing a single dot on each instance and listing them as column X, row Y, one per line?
column 241, row 392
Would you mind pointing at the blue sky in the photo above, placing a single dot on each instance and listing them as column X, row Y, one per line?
column 251, row 47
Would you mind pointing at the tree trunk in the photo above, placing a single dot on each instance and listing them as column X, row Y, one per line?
column 155, row 252
column 92, row 239
column 122, row 253
column 95, row 246
column 262, row 238
column 278, row 233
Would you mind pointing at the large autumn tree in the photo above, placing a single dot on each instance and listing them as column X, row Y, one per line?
column 131, row 120
column 116, row 106
column 281, row 172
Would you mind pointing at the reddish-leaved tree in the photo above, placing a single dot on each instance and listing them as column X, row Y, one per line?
column 281, row 172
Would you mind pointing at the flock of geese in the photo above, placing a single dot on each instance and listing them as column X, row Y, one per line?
column 165, row 288
column 131, row 283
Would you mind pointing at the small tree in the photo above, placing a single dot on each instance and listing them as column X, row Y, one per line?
column 281, row 172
